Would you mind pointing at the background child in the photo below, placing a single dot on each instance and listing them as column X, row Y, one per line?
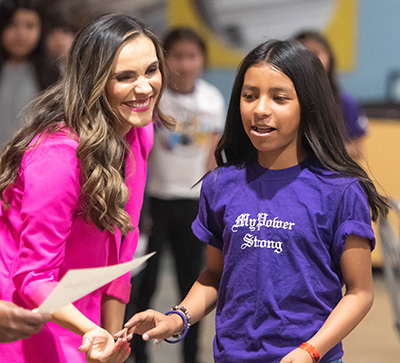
column 178, row 159
column 286, row 216
column 355, row 120
column 25, row 67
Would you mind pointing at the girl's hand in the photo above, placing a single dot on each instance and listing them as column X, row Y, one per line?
column 297, row 356
column 100, row 347
column 152, row 324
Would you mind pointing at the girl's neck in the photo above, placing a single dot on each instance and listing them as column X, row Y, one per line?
column 281, row 160
column 182, row 87
column 15, row 61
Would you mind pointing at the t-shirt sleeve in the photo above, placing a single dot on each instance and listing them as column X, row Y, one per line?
column 353, row 218
column 50, row 173
column 208, row 226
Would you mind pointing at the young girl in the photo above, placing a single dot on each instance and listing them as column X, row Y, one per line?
column 25, row 68
column 176, row 162
column 72, row 184
column 286, row 219
column 355, row 120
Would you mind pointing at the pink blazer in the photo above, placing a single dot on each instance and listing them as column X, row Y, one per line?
column 42, row 236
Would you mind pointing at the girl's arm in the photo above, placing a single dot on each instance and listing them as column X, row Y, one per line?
column 355, row 264
column 200, row 300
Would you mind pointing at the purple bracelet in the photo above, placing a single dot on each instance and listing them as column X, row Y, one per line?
column 178, row 336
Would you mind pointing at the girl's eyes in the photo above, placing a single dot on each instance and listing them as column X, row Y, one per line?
column 280, row 98
column 248, row 96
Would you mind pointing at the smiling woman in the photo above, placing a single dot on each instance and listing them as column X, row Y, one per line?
column 72, row 184
column 135, row 83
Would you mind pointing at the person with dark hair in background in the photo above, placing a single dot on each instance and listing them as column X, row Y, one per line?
column 71, row 187
column 25, row 68
column 59, row 35
column 355, row 120
column 177, row 161
column 286, row 216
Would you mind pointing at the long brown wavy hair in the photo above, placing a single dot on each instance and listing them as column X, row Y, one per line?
column 78, row 103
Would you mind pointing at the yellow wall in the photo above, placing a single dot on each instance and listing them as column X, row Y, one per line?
column 341, row 33
column 382, row 154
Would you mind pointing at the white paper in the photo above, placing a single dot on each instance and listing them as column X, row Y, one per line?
column 77, row 283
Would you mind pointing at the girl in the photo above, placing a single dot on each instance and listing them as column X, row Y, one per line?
column 25, row 69
column 286, row 219
column 177, row 161
column 355, row 120
column 72, row 184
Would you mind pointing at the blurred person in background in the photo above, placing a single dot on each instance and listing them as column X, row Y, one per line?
column 60, row 34
column 177, row 161
column 355, row 120
column 25, row 68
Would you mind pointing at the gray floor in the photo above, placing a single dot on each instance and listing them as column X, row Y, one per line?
column 375, row 340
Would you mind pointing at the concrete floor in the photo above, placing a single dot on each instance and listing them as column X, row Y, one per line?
column 375, row 340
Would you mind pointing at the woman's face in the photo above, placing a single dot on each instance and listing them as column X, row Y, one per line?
column 186, row 62
column 134, row 83
column 21, row 37
column 270, row 113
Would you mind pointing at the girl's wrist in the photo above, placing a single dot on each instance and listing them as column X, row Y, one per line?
column 312, row 351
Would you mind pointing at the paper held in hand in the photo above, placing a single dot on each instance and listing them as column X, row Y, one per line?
column 80, row 282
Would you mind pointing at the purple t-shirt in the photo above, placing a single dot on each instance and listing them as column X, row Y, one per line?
column 356, row 122
column 282, row 233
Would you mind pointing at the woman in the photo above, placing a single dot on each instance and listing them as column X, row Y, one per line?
column 71, row 185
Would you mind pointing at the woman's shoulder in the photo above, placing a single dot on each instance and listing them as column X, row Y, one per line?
column 62, row 144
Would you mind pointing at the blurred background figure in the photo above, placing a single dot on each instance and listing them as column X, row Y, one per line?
column 355, row 120
column 60, row 34
column 177, row 161
column 24, row 66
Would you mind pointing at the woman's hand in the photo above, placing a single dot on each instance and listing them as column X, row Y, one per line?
column 297, row 356
column 152, row 324
column 100, row 347
column 18, row 323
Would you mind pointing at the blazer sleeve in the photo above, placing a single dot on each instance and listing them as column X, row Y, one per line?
column 50, row 174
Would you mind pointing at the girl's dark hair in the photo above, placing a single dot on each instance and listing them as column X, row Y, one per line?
column 185, row 33
column 320, row 118
column 46, row 72
column 317, row 37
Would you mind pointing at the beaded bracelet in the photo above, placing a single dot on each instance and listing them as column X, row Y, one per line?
column 312, row 351
column 180, row 335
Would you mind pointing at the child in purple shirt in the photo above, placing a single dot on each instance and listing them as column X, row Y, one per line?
column 286, row 216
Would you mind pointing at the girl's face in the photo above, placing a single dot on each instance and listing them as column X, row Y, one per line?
column 134, row 83
column 270, row 112
column 186, row 62
column 21, row 37
column 319, row 50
